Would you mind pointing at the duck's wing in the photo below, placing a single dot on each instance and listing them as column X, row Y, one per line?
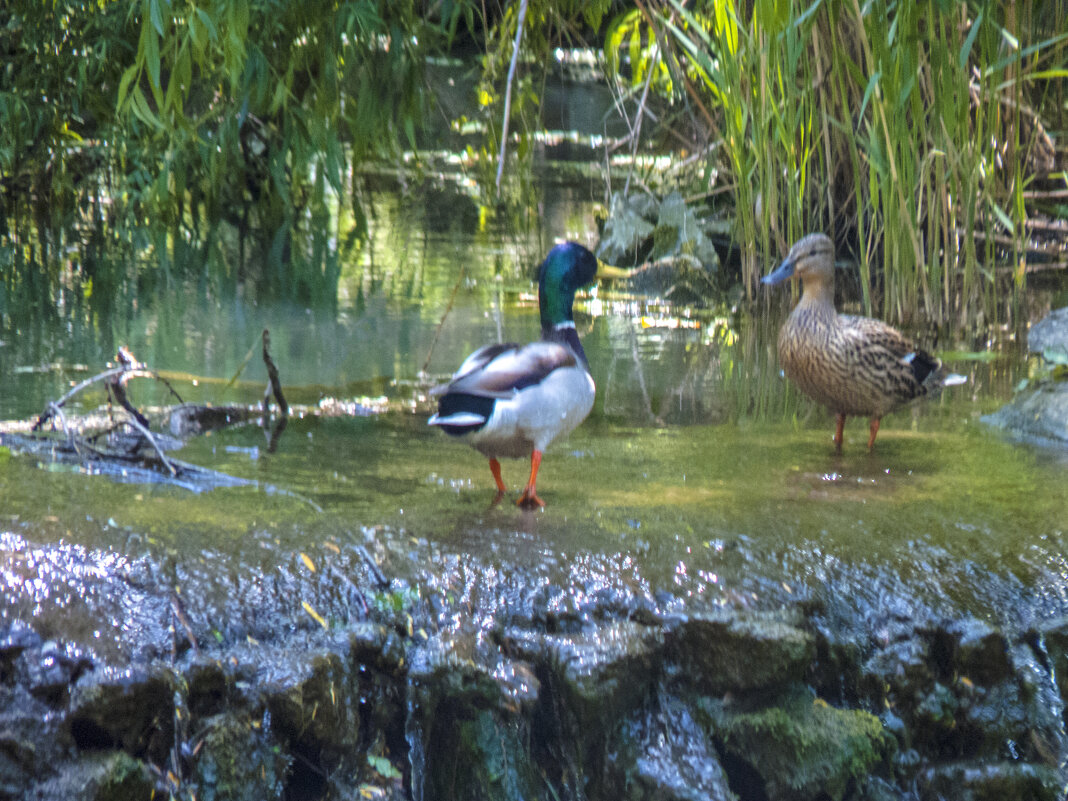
column 499, row 371
column 889, row 349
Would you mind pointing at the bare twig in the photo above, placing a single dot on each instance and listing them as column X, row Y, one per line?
column 272, row 374
column 508, row 89
column 117, row 385
column 152, row 441
column 74, row 391
column 178, row 608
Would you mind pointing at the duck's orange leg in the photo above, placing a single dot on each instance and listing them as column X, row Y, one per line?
column 495, row 468
column 873, row 427
column 839, row 425
column 529, row 499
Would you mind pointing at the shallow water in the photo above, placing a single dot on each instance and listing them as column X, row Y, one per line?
column 700, row 478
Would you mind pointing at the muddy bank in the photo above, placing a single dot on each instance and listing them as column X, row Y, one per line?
column 587, row 689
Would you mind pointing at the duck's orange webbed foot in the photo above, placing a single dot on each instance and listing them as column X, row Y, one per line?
column 529, row 499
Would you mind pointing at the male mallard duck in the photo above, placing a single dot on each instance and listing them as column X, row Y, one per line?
column 508, row 400
column 855, row 366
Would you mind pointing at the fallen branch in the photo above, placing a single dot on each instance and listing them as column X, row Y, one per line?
column 275, row 385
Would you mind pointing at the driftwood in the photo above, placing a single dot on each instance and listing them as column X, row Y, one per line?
column 124, row 444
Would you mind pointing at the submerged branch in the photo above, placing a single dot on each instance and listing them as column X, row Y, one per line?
column 275, row 385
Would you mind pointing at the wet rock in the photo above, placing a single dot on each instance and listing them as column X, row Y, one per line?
column 50, row 672
column 1039, row 413
column 209, row 689
column 113, row 776
column 1050, row 333
column 314, row 712
column 677, row 761
column 134, row 712
column 600, row 673
column 43, row 667
column 963, row 690
column 800, row 748
column 378, row 657
column 1053, row 636
column 986, row 781
column 983, row 653
column 738, row 653
column 18, row 759
column 239, row 762
column 14, row 639
column 468, row 739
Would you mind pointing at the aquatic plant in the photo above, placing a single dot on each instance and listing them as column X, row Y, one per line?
column 910, row 131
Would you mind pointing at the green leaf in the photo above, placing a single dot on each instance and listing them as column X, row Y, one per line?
column 966, row 48
column 383, row 767
column 156, row 16
column 873, row 83
column 142, row 110
column 149, row 51
column 130, row 73
column 1003, row 218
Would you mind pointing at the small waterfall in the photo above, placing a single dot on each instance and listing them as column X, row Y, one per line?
column 413, row 733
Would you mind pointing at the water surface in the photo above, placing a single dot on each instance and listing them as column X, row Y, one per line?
column 700, row 478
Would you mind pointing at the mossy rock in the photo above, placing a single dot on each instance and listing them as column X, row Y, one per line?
column 472, row 738
column 134, row 713
column 738, row 653
column 318, row 708
column 802, row 749
column 238, row 762
column 114, row 776
column 990, row 781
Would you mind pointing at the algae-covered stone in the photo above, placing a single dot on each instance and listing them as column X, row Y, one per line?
column 468, row 736
column 990, row 781
column 238, row 761
column 134, row 712
column 803, row 748
column 729, row 652
column 317, row 708
column 112, row 776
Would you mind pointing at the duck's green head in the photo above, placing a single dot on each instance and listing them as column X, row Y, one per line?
column 566, row 269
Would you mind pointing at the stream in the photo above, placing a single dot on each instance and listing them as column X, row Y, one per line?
column 918, row 592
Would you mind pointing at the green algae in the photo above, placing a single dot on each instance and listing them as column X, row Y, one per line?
column 804, row 748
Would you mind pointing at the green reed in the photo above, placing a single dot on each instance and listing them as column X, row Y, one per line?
column 908, row 130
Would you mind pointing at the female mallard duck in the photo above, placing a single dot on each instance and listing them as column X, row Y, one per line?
column 856, row 366
column 509, row 400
